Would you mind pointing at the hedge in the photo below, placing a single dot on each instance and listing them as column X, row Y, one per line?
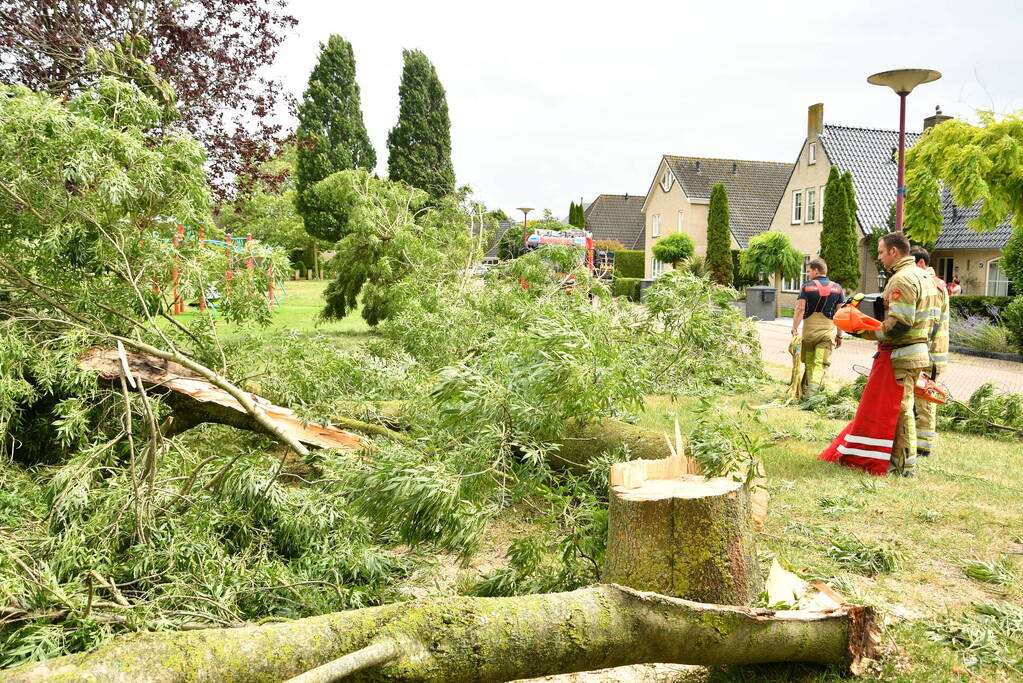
column 977, row 305
column 629, row 263
column 626, row 286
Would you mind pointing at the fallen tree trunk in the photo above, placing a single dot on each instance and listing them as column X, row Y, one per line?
column 678, row 533
column 194, row 400
column 586, row 441
column 483, row 639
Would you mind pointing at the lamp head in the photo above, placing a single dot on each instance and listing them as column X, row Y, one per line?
column 904, row 80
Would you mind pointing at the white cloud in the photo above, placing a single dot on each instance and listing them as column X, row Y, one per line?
column 555, row 100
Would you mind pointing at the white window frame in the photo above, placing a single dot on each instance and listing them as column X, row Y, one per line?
column 666, row 180
column 786, row 283
column 797, row 207
column 681, row 221
column 811, row 204
column 992, row 289
column 811, row 157
column 656, row 268
column 820, row 201
column 655, row 226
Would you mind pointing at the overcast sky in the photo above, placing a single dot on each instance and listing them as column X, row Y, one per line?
column 555, row 100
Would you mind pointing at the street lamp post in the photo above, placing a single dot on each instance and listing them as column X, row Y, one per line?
column 902, row 81
column 525, row 212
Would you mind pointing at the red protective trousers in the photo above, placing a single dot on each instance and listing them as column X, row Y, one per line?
column 866, row 443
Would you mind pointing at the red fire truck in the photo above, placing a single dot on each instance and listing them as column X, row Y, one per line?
column 600, row 263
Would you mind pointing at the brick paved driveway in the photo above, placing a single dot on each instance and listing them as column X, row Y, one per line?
column 964, row 375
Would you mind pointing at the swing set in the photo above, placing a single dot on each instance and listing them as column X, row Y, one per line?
column 236, row 249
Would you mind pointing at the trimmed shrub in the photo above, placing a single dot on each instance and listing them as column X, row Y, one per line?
column 629, row 263
column 627, row 287
column 978, row 305
column 674, row 248
column 1012, row 318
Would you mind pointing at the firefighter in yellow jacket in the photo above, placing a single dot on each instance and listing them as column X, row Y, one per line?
column 926, row 427
column 912, row 310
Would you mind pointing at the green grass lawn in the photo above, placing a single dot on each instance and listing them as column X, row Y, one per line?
column 300, row 302
column 832, row 523
column 829, row 523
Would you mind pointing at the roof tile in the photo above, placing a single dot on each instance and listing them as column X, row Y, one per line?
column 618, row 217
column 754, row 188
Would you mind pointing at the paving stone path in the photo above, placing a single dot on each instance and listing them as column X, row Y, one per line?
column 964, row 375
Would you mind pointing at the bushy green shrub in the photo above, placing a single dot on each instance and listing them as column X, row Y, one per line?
column 626, row 286
column 1012, row 319
column 629, row 263
column 978, row 305
column 740, row 280
column 674, row 248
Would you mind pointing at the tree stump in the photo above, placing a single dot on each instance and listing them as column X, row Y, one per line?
column 678, row 533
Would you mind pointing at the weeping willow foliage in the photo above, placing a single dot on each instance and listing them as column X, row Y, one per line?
column 215, row 527
column 981, row 165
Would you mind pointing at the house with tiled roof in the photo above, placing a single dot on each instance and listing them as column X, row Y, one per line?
column 617, row 217
column 871, row 156
column 679, row 200
column 974, row 257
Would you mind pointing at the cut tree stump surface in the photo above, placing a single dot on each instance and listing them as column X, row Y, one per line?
column 681, row 534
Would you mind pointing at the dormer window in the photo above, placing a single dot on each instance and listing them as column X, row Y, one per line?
column 812, row 154
column 666, row 180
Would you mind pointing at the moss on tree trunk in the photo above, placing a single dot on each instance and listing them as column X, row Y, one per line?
column 689, row 537
column 483, row 639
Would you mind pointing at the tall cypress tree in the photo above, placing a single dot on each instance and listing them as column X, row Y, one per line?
column 850, row 264
column 719, row 242
column 331, row 136
column 838, row 232
column 419, row 146
column 572, row 214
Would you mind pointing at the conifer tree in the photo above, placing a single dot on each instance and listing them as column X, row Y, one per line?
column 838, row 232
column 719, row 241
column 331, row 136
column 419, row 145
column 573, row 214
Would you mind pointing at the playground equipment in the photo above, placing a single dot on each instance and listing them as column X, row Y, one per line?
column 237, row 250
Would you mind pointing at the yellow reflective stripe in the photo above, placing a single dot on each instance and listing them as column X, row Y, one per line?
column 911, row 350
column 903, row 310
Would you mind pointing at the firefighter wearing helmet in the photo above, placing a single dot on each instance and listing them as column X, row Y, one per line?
column 882, row 437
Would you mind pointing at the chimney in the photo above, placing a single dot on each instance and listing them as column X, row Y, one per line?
column 814, row 121
column 697, row 166
column 735, row 168
column 932, row 121
column 626, row 196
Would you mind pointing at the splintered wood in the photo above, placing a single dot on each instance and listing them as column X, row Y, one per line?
column 167, row 376
column 632, row 474
column 650, row 476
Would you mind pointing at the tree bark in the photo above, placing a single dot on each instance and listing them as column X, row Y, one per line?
column 195, row 400
column 583, row 442
column 681, row 534
column 484, row 639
